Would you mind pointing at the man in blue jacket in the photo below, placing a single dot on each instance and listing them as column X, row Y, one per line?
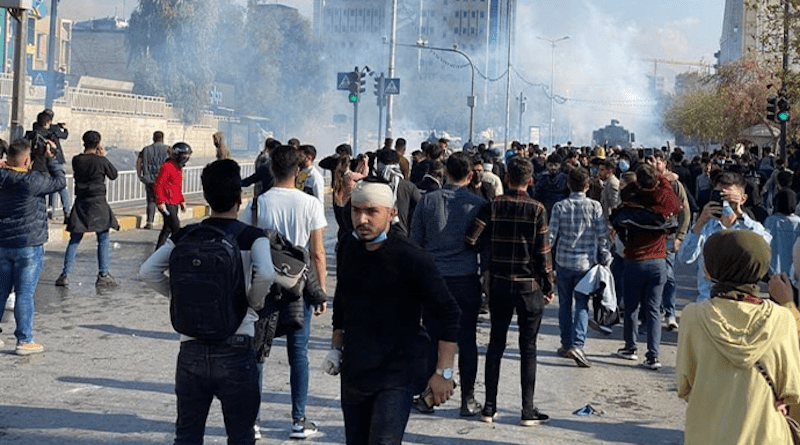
column 23, row 232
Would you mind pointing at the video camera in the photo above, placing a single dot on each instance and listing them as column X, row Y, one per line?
column 39, row 142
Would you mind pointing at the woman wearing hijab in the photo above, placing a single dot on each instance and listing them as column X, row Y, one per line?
column 721, row 341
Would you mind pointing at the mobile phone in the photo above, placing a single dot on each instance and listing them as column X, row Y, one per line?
column 716, row 197
column 427, row 397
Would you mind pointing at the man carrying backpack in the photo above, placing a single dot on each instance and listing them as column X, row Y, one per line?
column 220, row 271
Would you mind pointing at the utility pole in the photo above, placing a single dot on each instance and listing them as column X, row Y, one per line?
column 392, row 47
column 51, row 56
column 18, row 99
column 522, row 106
column 785, row 67
column 508, row 78
column 552, row 77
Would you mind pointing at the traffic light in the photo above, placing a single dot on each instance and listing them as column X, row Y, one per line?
column 772, row 107
column 357, row 85
column 379, row 82
column 784, row 110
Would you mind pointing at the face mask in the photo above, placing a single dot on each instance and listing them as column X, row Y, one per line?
column 624, row 165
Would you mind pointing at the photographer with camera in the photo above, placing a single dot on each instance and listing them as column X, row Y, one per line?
column 45, row 136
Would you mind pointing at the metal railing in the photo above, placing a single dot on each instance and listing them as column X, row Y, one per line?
column 127, row 190
column 110, row 102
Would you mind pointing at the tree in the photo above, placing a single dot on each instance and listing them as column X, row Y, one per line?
column 170, row 43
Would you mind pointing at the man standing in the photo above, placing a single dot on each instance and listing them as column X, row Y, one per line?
column 225, row 368
column 301, row 219
column 609, row 197
column 400, row 148
column 149, row 161
column 514, row 231
column 725, row 211
column 578, row 233
column 645, row 259
column 551, row 185
column 310, row 179
column 23, row 232
column 382, row 282
column 476, row 184
column 439, row 225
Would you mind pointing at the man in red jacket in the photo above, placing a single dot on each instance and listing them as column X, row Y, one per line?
column 168, row 190
column 645, row 260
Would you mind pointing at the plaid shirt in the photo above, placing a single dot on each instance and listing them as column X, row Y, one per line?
column 514, row 228
column 578, row 232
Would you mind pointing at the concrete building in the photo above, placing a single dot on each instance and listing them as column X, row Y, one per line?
column 99, row 49
column 742, row 26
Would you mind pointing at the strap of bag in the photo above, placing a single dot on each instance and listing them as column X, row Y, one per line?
column 771, row 384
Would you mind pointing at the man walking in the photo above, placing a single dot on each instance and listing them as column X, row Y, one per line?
column 301, row 219
column 578, row 234
column 220, row 367
column 149, row 161
column 382, row 282
column 439, row 226
column 514, row 228
column 23, row 232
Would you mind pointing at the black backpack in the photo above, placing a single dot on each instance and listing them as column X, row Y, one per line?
column 208, row 298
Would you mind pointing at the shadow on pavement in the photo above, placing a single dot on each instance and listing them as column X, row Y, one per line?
column 158, row 335
column 621, row 432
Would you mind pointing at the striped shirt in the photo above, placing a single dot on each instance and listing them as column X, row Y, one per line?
column 513, row 228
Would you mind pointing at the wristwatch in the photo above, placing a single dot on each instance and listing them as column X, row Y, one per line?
column 447, row 373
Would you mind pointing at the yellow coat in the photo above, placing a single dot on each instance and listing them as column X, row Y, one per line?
column 730, row 402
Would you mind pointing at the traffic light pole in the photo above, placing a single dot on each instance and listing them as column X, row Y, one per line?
column 355, row 128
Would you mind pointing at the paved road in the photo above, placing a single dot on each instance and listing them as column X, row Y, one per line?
column 108, row 371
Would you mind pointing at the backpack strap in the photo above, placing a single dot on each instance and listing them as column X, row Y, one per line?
column 771, row 384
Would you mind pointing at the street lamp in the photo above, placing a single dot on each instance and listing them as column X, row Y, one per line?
column 423, row 44
column 552, row 75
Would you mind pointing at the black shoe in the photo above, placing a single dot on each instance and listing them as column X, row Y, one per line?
column 533, row 418
column 420, row 406
column 605, row 330
column 488, row 414
column 563, row 352
column 469, row 407
column 628, row 354
column 62, row 280
column 652, row 363
column 148, row 226
column 579, row 357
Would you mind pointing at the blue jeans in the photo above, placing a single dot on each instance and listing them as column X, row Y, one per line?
column 573, row 327
column 297, row 351
column 65, row 202
column 670, row 287
column 103, row 240
column 644, row 285
column 225, row 371
column 19, row 270
column 377, row 418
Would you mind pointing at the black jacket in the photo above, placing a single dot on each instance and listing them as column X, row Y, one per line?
column 23, row 213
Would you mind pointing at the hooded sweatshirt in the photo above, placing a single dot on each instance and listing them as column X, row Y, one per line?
column 729, row 400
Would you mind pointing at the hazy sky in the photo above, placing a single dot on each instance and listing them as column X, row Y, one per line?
column 671, row 29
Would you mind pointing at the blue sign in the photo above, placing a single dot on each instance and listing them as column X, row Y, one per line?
column 391, row 85
column 343, row 80
column 39, row 9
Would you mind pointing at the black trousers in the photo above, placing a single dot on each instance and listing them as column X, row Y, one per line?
column 506, row 297
column 171, row 224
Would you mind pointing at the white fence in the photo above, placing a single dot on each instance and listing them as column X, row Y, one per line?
column 127, row 190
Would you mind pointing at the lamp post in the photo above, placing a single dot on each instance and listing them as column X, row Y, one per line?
column 423, row 44
column 552, row 75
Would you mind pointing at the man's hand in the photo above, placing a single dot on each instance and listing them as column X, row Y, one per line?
column 332, row 363
column 549, row 298
column 320, row 308
column 100, row 151
column 162, row 207
column 710, row 210
column 676, row 245
column 183, row 206
column 441, row 389
column 780, row 290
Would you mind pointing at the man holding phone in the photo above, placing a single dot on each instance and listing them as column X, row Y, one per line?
column 725, row 210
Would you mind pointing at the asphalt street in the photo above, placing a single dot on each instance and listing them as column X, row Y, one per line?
column 108, row 370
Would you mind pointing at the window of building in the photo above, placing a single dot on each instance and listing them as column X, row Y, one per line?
column 455, row 31
column 483, row 14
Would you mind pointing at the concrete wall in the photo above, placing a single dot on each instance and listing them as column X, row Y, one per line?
column 125, row 132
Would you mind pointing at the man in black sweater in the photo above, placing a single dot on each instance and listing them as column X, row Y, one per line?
column 382, row 282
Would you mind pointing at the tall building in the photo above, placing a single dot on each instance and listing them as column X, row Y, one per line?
column 742, row 26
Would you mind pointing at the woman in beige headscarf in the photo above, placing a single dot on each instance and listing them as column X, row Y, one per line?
column 722, row 338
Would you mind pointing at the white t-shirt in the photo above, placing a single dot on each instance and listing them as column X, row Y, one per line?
column 290, row 212
column 315, row 183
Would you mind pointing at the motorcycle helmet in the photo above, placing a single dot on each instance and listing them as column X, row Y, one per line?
column 181, row 152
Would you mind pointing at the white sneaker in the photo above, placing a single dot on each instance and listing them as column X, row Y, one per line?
column 256, row 432
column 303, row 428
column 672, row 323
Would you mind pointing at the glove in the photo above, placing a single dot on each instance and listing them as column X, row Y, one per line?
column 332, row 362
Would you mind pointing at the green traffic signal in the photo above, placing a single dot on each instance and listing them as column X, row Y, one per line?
column 782, row 116
column 353, row 97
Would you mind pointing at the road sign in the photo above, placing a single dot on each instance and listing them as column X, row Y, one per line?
column 40, row 77
column 343, row 80
column 391, row 85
